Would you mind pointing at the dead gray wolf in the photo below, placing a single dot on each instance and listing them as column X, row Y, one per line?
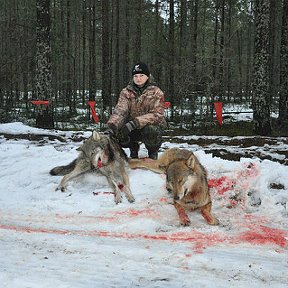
column 104, row 155
column 186, row 178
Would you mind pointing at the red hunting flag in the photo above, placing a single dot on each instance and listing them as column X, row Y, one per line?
column 167, row 104
column 40, row 102
column 93, row 112
column 218, row 109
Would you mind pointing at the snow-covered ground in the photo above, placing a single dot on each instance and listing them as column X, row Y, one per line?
column 80, row 238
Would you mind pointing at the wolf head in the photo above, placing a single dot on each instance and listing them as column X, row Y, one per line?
column 184, row 178
column 98, row 149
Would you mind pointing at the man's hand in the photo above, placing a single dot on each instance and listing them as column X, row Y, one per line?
column 109, row 132
column 127, row 128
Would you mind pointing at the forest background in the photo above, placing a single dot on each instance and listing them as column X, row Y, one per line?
column 199, row 51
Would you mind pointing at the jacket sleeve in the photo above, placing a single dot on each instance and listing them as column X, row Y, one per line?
column 120, row 112
column 155, row 115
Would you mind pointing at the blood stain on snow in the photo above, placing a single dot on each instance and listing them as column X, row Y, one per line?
column 251, row 229
column 242, row 177
column 262, row 235
column 222, row 184
column 139, row 212
column 200, row 241
column 104, row 193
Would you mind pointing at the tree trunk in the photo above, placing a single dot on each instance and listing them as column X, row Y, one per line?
column 84, row 12
column 117, row 49
column 137, row 50
column 171, row 62
column 106, row 67
column 275, row 39
column 222, row 85
column 156, row 46
column 215, row 63
column 68, row 92
column 123, row 41
column 183, row 31
column 43, row 63
column 283, row 101
column 194, row 40
column 261, row 97
column 92, row 53
column 248, row 70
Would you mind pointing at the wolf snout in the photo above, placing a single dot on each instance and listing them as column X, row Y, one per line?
column 97, row 164
column 176, row 198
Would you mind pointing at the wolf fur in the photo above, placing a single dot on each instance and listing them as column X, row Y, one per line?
column 100, row 153
column 186, row 178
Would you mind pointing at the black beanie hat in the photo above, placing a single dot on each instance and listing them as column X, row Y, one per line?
column 140, row 68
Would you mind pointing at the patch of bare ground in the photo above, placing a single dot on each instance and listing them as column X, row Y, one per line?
column 225, row 147
column 234, row 148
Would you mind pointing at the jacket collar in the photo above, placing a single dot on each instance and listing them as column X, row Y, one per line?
column 140, row 90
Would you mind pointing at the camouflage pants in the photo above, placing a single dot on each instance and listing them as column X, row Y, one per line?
column 150, row 135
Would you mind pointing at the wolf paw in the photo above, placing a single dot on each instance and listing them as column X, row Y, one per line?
column 214, row 222
column 185, row 222
column 130, row 198
column 118, row 199
column 61, row 188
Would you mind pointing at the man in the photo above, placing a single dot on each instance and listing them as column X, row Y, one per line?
column 139, row 114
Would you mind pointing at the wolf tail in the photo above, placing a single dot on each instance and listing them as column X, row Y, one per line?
column 63, row 170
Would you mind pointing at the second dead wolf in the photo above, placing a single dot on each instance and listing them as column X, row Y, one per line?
column 186, row 178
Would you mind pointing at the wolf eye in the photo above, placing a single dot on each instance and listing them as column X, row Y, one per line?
column 169, row 190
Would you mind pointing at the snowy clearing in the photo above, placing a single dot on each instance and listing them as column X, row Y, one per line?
column 80, row 238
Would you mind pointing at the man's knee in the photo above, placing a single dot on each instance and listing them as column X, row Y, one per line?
column 152, row 136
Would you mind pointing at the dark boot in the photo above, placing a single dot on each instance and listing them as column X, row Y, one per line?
column 153, row 154
column 152, row 139
column 134, row 149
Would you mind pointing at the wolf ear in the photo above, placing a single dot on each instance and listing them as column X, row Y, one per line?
column 191, row 162
column 96, row 135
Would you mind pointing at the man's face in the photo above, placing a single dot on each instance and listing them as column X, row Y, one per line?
column 140, row 79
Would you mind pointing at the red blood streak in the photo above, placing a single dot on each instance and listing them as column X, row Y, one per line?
column 120, row 186
column 264, row 235
column 191, row 236
column 134, row 212
column 100, row 164
column 105, row 193
column 163, row 200
column 222, row 184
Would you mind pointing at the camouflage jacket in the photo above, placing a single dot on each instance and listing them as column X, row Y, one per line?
column 144, row 106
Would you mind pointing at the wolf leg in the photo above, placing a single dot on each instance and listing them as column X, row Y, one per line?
column 149, row 164
column 117, row 191
column 127, row 190
column 79, row 169
column 184, row 219
column 206, row 213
